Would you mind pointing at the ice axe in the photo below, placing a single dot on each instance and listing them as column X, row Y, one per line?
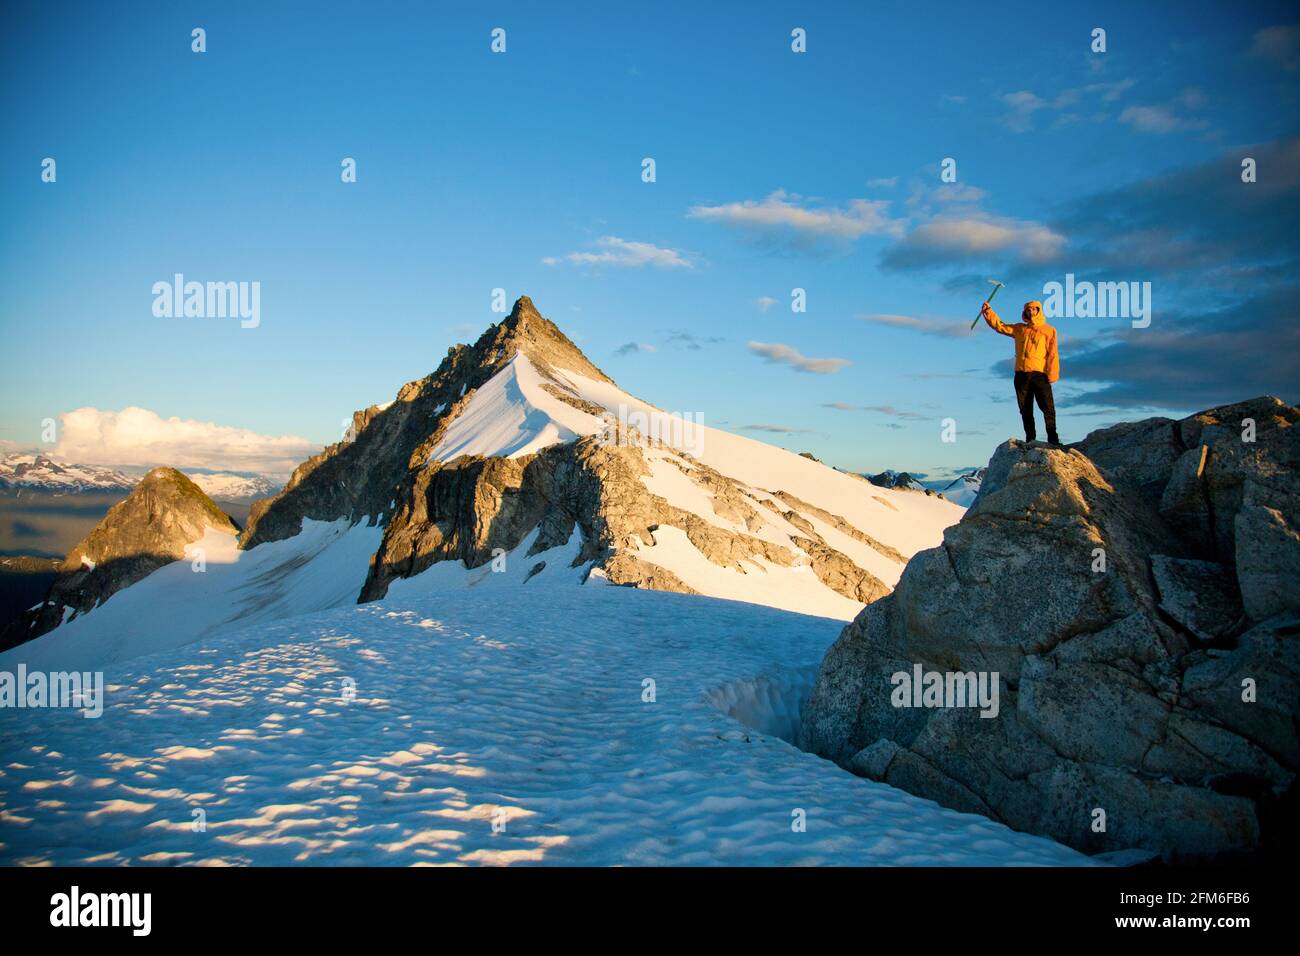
column 996, row 285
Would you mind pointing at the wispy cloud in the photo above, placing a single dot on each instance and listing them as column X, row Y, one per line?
column 791, row 214
column 624, row 253
column 1279, row 45
column 887, row 410
column 776, row 429
column 1160, row 119
column 1068, row 105
column 929, row 326
column 138, row 437
column 777, row 353
column 765, row 302
column 630, row 348
column 883, row 182
column 691, row 341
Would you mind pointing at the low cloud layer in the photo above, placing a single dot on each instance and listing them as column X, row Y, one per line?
column 139, row 438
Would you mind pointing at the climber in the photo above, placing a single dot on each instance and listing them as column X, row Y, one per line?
column 1038, row 365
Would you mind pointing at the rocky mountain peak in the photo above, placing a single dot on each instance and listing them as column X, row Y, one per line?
column 157, row 523
column 527, row 330
column 359, row 477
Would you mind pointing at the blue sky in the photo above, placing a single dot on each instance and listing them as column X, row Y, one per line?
column 522, row 170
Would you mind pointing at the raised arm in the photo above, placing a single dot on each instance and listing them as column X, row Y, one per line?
column 996, row 324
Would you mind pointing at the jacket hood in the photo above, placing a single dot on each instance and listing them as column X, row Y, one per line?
column 1035, row 318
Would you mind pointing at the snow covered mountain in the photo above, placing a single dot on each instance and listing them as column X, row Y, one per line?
column 38, row 472
column 963, row 489
column 889, row 478
column 519, row 460
column 226, row 486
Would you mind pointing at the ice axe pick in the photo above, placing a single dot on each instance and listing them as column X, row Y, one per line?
column 996, row 285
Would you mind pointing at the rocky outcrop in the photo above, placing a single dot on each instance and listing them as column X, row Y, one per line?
column 1138, row 596
column 163, row 517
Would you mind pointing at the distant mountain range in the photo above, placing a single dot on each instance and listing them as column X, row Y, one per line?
column 38, row 472
column 960, row 490
column 45, row 473
column 895, row 479
column 225, row 486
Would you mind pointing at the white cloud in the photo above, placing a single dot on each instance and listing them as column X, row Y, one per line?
column 888, row 182
column 1279, row 45
column 765, row 302
column 785, row 355
column 137, row 437
column 976, row 236
column 1158, row 119
column 787, row 212
column 625, row 253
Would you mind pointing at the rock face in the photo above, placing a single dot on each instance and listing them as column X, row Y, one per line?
column 1139, row 597
column 152, row 527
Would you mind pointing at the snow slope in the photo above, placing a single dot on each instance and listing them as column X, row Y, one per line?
column 466, row 711
column 514, row 414
column 320, row 568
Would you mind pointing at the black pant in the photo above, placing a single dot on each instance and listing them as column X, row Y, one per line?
column 1034, row 387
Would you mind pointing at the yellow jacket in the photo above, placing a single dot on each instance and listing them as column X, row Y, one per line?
column 1035, row 341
